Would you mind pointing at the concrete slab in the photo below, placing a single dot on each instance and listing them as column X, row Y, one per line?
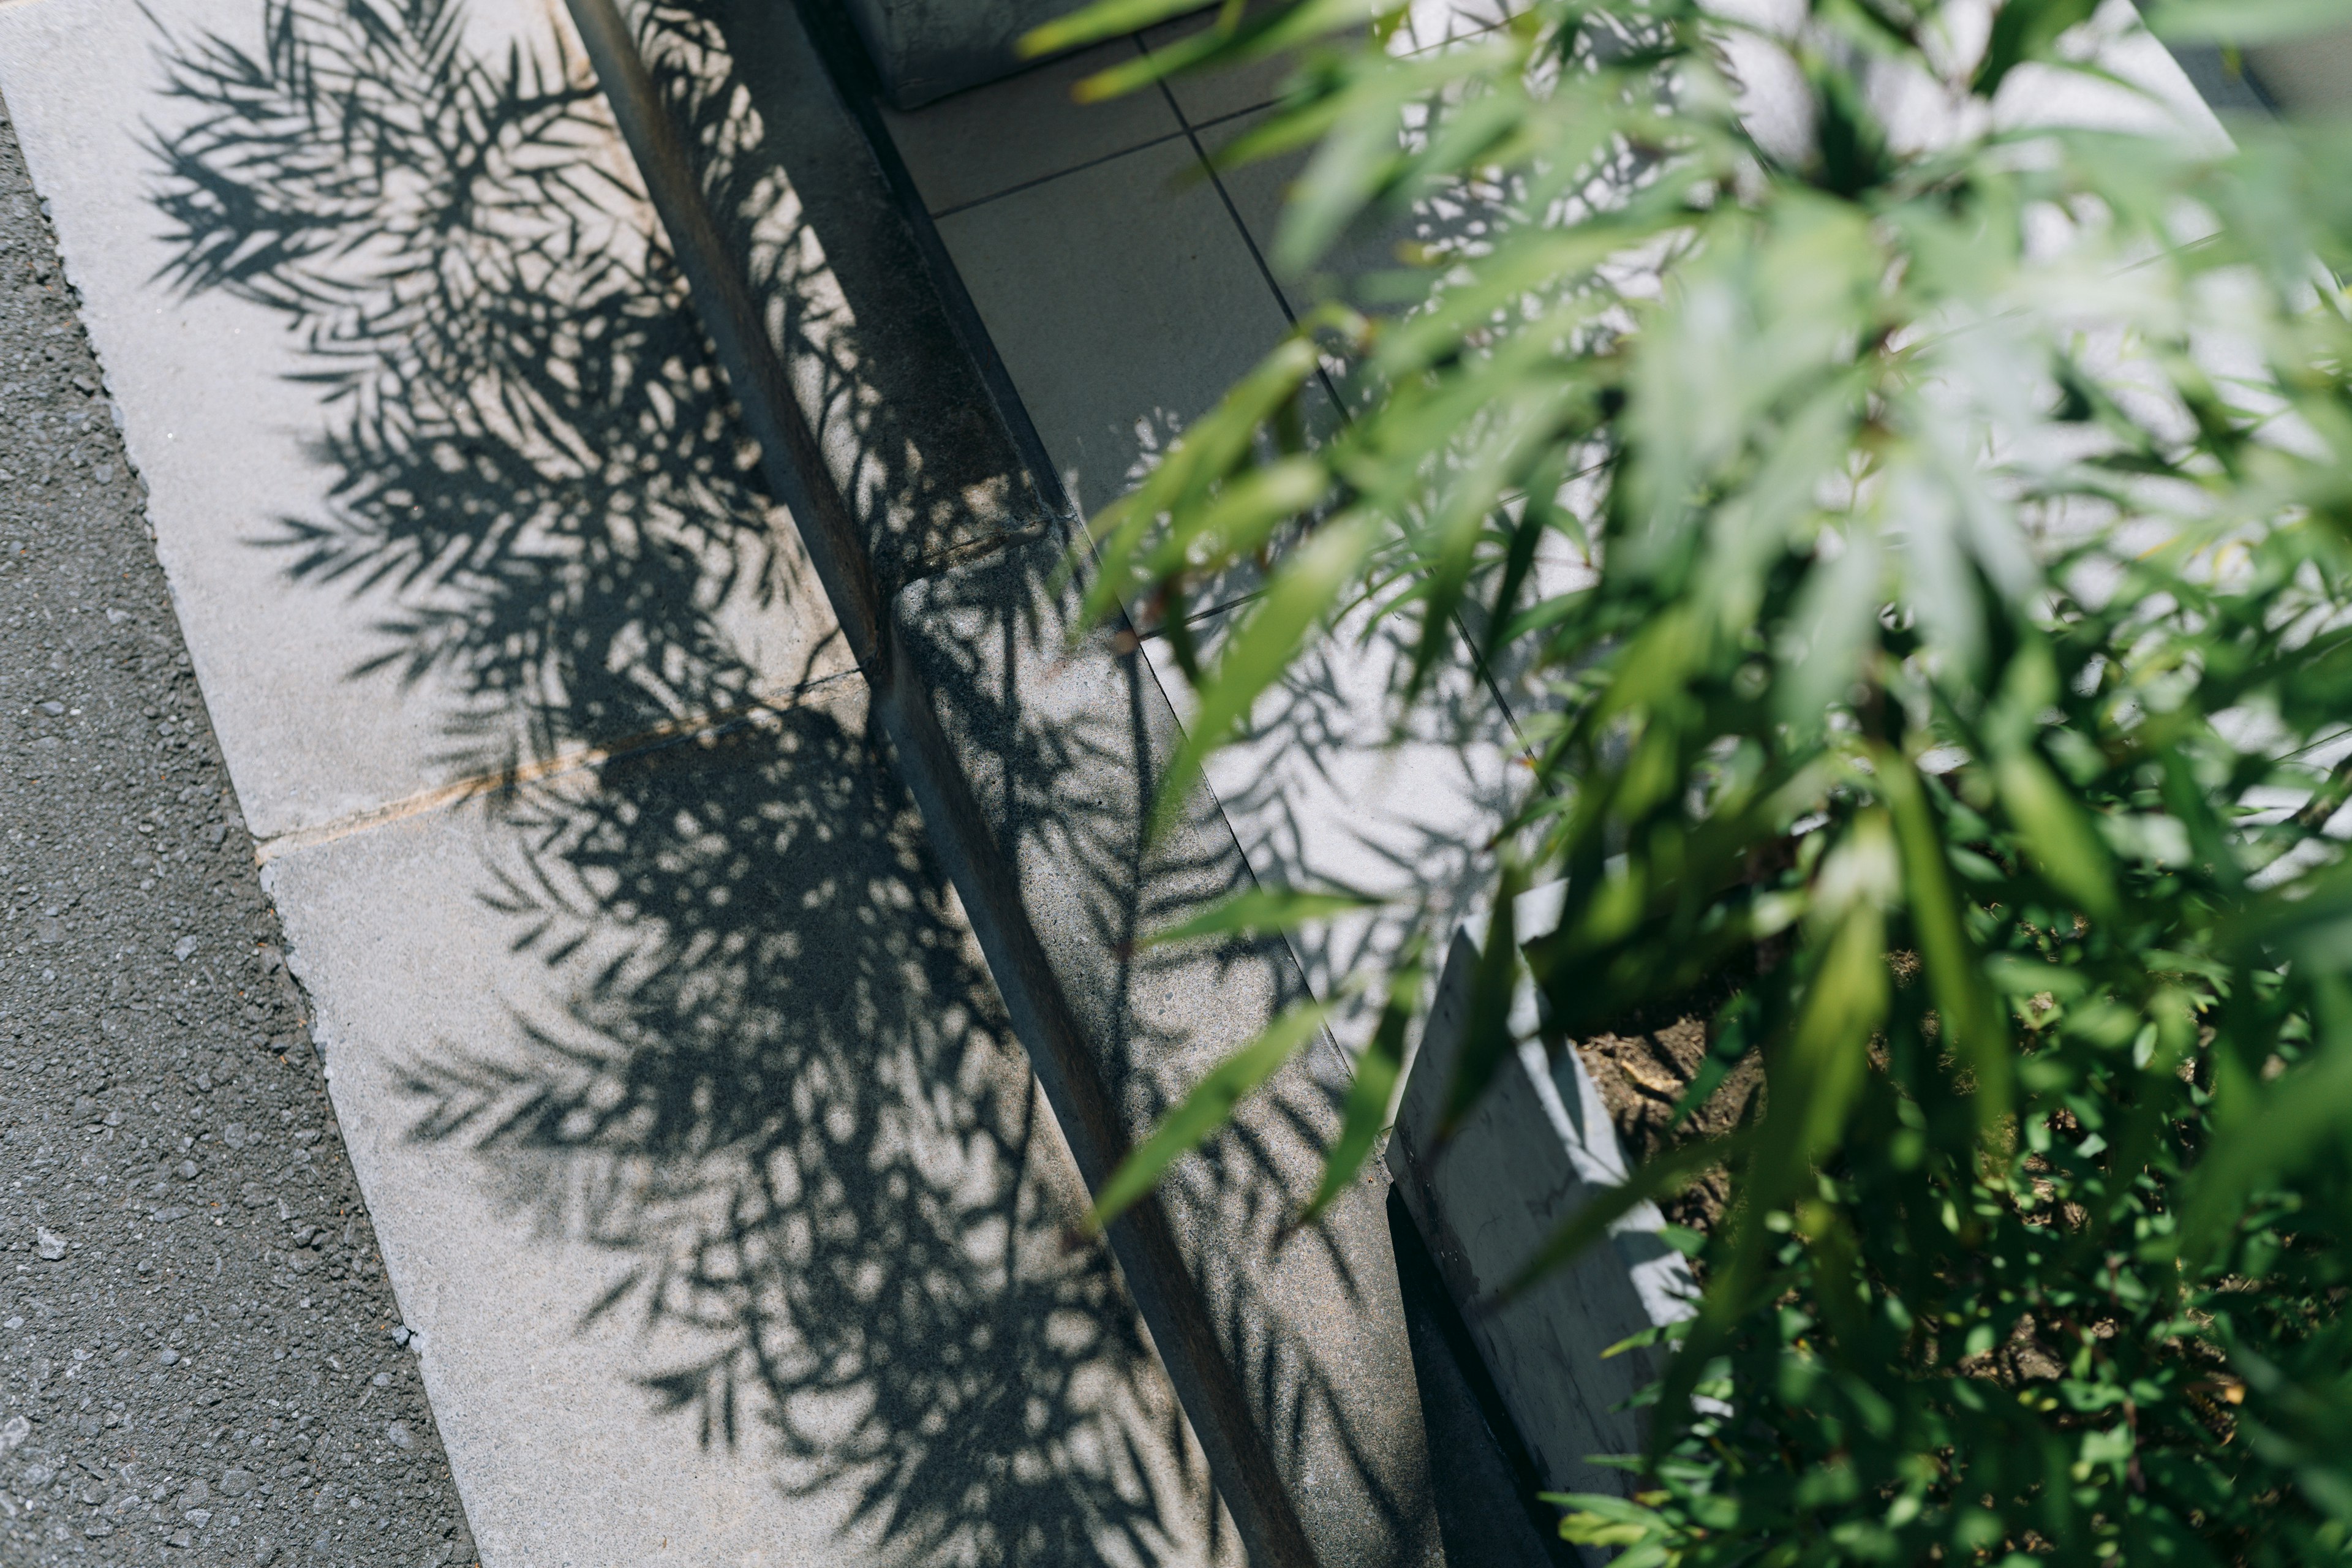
column 358, row 450
column 1024, row 129
column 1203, row 96
column 703, row 1156
column 1124, row 299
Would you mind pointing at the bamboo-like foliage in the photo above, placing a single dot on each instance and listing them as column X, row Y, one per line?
column 1930, row 524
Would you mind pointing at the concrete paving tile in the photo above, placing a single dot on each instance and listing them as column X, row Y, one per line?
column 1365, row 265
column 1209, row 95
column 1123, row 301
column 418, row 490
column 1259, row 192
column 1026, row 128
column 703, row 1156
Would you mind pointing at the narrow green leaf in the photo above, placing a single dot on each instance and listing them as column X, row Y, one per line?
column 1149, row 67
column 2024, row 31
column 1836, row 621
column 2059, row 837
column 1821, row 1072
column 1259, row 911
column 1207, row 1108
column 1972, row 1021
column 2243, row 21
column 1209, row 453
column 2299, row 1113
column 1104, row 19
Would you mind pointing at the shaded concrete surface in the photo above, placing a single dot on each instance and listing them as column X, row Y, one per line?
column 1311, row 1322
column 1124, row 294
column 197, row 1360
column 301, row 337
column 723, row 1198
column 774, row 1153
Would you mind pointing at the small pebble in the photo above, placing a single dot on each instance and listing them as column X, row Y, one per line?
column 235, row 1483
column 398, row 1435
column 382, row 1380
column 50, row 1243
column 168, row 1356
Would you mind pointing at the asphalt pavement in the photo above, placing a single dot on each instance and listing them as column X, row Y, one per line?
column 201, row 1360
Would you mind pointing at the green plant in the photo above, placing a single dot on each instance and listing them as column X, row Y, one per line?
column 1959, row 679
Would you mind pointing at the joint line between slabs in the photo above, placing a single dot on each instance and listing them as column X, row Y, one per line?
column 579, row 759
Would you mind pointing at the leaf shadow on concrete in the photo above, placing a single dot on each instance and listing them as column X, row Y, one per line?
column 779, row 1090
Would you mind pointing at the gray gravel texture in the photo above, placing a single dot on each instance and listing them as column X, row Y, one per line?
column 201, row 1360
